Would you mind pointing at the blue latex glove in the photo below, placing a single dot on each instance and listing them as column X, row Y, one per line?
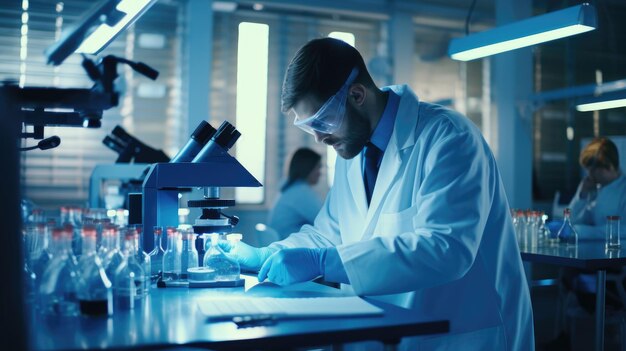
column 289, row 266
column 249, row 257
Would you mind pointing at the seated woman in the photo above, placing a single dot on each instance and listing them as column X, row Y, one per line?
column 298, row 204
column 601, row 193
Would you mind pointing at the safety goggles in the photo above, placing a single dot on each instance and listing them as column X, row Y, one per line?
column 329, row 117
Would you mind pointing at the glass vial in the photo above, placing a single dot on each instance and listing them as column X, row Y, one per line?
column 613, row 232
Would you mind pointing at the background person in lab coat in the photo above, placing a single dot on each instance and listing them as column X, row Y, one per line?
column 298, row 203
column 601, row 193
column 417, row 215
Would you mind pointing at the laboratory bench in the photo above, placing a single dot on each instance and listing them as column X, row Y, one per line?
column 170, row 317
column 588, row 255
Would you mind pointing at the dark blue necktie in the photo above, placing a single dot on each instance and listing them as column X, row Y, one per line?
column 372, row 159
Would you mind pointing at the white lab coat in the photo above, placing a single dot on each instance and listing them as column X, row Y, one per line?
column 589, row 217
column 298, row 205
column 438, row 237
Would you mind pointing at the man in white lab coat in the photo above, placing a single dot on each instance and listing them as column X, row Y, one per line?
column 417, row 215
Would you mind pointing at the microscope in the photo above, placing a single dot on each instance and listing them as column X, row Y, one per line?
column 207, row 166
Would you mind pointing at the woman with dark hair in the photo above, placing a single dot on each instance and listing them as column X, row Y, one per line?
column 298, row 204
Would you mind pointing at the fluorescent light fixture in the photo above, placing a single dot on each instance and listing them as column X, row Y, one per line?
column 224, row 6
column 345, row 36
column 602, row 102
column 104, row 34
column 554, row 25
column 97, row 28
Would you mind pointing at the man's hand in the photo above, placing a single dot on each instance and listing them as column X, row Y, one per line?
column 249, row 257
column 289, row 266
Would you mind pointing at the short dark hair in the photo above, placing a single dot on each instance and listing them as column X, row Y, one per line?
column 320, row 68
column 600, row 152
column 302, row 163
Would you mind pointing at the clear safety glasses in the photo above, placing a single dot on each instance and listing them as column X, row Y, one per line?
column 329, row 117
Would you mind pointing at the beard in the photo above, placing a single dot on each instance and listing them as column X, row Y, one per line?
column 358, row 131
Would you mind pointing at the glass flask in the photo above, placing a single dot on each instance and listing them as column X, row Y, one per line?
column 29, row 280
column 101, row 225
column 60, row 281
column 32, row 251
column 533, row 231
column 516, row 224
column 156, row 255
column 64, row 214
column 95, row 297
column 128, row 290
column 188, row 254
column 142, row 256
column 215, row 259
column 543, row 230
column 35, row 243
column 567, row 235
column 110, row 252
column 171, row 257
column 37, row 216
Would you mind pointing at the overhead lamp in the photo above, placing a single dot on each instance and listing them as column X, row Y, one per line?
column 539, row 29
column 602, row 102
column 105, row 33
column 224, row 6
column 103, row 23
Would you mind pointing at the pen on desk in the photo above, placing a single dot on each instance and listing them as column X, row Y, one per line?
column 254, row 321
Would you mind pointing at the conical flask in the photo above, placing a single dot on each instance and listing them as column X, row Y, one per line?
column 567, row 234
column 225, row 269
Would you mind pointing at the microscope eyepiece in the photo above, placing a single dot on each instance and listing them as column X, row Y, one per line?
column 220, row 143
column 199, row 138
